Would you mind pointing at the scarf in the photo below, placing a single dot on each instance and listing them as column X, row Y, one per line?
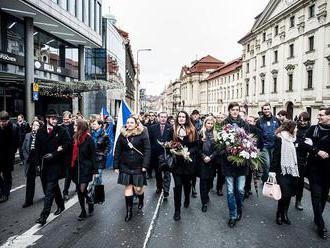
column 288, row 155
column 320, row 128
column 33, row 140
column 76, row 148
column 207, row 143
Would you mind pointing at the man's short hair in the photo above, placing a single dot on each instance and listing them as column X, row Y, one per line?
column 283, row 113
column 232, row 105
column 4, row 116
column 195, row 112
column 266, row 104
column 67, row 113
column 162, row 112
column 326, row 109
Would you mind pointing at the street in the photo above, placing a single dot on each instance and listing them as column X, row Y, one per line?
column 106, row 228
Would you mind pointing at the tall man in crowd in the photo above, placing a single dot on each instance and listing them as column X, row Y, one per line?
column 317, row 143
column 23, row 129
column 52, row 143
column 68, row 125
column 267, row 125
column 160, row 132
column 8, row 147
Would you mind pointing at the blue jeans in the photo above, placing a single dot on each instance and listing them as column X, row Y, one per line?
column 98, row 179
column 267, row 153
column 235, row 194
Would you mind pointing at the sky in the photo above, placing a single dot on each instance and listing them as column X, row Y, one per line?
column 180, row 31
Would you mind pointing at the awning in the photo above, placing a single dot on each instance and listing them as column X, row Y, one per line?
column 73, row 89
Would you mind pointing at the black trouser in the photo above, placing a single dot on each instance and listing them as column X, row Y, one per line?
column 193, row 181
column 283, row 204
column 52, row 191
column 248, row 181
column 163, row 180
column 319, row 191
column 67, row 183
column 181, row 181
column 301, row 182
column 205, row 187
column 30, row 184
column 220, row 179
column 6, row 182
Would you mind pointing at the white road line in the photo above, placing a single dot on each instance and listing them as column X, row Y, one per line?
column 152, row 224
column 17, row 188
column 28, row 238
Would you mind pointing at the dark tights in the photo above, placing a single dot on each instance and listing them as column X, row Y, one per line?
column 82, row 194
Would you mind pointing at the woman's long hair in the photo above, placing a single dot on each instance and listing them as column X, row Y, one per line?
column 190, row 128
column 204, row 129
column 82, row 127
column 288, row 126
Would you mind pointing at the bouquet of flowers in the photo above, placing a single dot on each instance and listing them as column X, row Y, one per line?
column 176, row 148
column 240, row 146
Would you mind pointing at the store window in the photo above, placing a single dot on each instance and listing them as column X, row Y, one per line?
column 15, row 36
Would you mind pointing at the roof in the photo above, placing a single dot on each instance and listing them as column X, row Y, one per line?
column 227, row 68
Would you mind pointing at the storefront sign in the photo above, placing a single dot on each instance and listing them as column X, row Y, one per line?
column 11, row 58
column 7, row 58
column 35, row 92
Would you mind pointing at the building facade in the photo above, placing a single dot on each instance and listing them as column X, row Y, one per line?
column 286, row 58
column 52, row 50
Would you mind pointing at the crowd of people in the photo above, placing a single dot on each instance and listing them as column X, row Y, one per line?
column 80, row 149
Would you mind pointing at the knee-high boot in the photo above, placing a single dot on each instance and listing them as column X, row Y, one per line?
column 129, row 207
column 286, row 205
column 141, row 203
column 177, row 203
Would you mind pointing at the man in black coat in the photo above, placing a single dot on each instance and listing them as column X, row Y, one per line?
column 68, row 125
column 23, row 129
column 160, row 132
column 8, row 147
column 317, row 143
column 52, row 143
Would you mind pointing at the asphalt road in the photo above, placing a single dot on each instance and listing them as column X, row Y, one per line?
column 106, row 228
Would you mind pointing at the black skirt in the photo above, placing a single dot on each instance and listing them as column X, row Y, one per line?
column 288, row 185
column 138, row 179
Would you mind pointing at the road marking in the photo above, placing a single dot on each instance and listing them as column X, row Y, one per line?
column 152, row 224
column 29, row 238
column 17, row 188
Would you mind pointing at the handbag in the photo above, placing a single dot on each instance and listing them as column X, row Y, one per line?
column 271, row 189
column 95, row 192
column 166, row 161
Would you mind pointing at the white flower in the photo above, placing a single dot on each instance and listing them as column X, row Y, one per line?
column 254, row 155
column 244, row 154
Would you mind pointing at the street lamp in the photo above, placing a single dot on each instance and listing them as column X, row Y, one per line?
column 137, row 91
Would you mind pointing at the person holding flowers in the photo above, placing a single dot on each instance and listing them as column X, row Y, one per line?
column 184, row 143
column 207, row 156
column 233, row 140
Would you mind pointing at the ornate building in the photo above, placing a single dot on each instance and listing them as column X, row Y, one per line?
column 286, row 57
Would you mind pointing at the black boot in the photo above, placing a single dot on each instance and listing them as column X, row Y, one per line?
column 279, row 218
column 187, row 196
column 299, row 205
column 285, row 218
column 42, row 219
column 141, row 198
column 129, row 206
column 177, row 203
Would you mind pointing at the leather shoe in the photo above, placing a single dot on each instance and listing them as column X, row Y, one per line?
column 27, row 204
column 82, row 216
column 177, row 216
column 41, row 220
column 299, row 206
column 231, row 223
column 204, row 208
column 59, row 210
column 322, row 233
column 158, row 191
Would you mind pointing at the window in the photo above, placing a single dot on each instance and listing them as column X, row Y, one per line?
column 290, row 82
column 274, row 85
column 291, row 51
column 263, row 60
column 91, row 13
column 311, row 11
column 275, row 56
column 309, row 111
column 264, row 37
column 292, row 21
column 247, row 67
column 310, row 79
column 247, row 89
column 248, row 47
column 262, row 86
column 311, row 43
column 276, row 30
column 96, row 18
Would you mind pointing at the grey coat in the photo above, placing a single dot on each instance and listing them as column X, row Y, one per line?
column 26, row 152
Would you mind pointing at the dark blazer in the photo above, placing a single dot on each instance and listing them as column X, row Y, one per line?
column 128, row 160
column 206, row 170
column 27, row 155
column 52, row 169
column 9, row 140
column 182, row 166
column 86, row 164
column 155, row 136
column 102, row 145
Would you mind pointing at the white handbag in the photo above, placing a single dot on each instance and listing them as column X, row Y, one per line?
column 272, row 189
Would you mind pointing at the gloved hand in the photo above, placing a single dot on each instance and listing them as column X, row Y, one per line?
column 49, row 156
column 272, row 174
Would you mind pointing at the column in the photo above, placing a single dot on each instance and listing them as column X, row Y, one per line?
column 29, row 67
column 81, row 74
column 62, row 55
